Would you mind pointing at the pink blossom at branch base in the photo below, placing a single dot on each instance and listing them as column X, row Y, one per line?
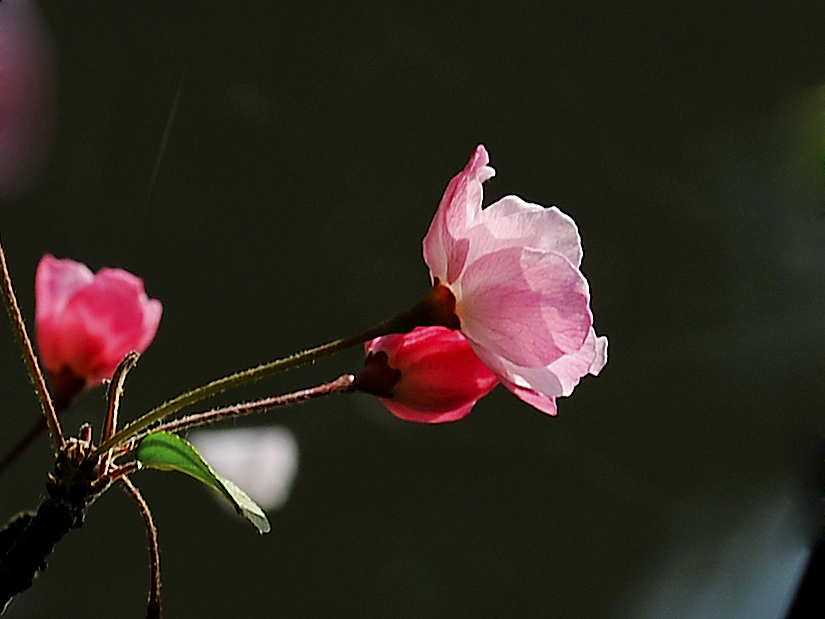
column 520, row 298
column 87, row 323
column 429, row 375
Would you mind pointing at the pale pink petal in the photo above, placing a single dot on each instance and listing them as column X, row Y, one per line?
column 540, row 386
column 152, row 311
column 539, row 379
column 528, row 307
column 515, row 223
column 55, row 283
column 445, row 248
column 600, row 359
column 540, row 401
column 590, row 359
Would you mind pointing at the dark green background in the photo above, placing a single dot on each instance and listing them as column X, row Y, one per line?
column 310, row 148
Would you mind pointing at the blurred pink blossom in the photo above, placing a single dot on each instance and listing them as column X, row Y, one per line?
column 25, row 93
column 87, row 323
column 519, row 296
column 430, row 374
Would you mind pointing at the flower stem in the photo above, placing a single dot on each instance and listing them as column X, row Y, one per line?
column 342, row 384
column 153, row 608
column 398, row 324
column 35, row 373
column 115, row 391
column 117, row 472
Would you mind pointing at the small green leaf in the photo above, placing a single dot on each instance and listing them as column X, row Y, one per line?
column 169, row 452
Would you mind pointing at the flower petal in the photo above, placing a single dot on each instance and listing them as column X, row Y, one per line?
column 528, row 307
column 544, row 403
column 86, row 324
column 55, row 283
column 540, row 387
column 445, row 248
column 512, row 222
column 74, row 345
column 410, row 413
column 589, row 359
column 430, row 374
column 152, row 311
column 520, row 299
column 538, row 379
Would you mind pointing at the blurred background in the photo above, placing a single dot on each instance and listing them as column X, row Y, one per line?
column 308, row 150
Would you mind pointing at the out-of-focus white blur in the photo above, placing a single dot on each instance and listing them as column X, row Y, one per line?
column 262, row 461
column 25, row 94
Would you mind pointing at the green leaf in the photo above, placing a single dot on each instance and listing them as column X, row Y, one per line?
column 169, row 452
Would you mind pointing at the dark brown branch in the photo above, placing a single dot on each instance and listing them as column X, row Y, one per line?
column 153, row 607
column 30, row 537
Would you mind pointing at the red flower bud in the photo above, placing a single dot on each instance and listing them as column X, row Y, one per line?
column 430, row 374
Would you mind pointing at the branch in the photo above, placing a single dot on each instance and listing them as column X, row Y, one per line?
column 401, row 323
column 115, row 391
column 30, row 537
column 342, row 384
column 30, row 358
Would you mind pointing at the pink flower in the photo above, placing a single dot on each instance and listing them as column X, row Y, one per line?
column 87, row 323
column 520, row 298
column 430, row 374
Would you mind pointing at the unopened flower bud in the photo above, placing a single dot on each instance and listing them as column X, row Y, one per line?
column 430, row 374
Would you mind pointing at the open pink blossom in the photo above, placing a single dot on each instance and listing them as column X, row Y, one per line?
column 87, row 323
column 520, row 298
column 430, row 374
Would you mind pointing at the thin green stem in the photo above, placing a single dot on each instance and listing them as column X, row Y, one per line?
column 399, row 324
column 35, row 373
column 342, row 384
